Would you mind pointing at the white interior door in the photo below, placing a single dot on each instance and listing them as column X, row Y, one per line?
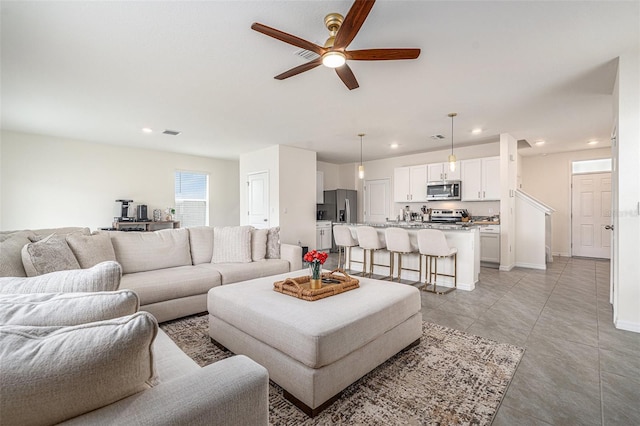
column 258, row 203
column 590, row 213
column 377, row 197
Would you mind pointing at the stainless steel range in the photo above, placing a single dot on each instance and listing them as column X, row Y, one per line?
column 448, row 215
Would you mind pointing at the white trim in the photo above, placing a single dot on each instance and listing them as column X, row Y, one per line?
column 506, row 268
column 531, row 265
column 627, row 325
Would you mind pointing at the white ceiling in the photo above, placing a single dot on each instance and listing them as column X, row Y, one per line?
column 101, row 71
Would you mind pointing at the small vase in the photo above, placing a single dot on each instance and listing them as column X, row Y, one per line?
column 315, row 284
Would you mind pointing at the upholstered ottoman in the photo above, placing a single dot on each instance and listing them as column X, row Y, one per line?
column 314, row 350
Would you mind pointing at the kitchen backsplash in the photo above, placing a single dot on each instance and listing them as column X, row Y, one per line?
column 475, row 208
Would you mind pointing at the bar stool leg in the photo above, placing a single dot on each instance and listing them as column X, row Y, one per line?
column 345, row 258
column 391, row 259
column 371, row 263
column 399, row 265
column 340, row 248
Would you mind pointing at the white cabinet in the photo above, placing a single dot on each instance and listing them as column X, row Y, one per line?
column 490, row 244
column 319, row 187
column 323, row 235
column 410, row 184
column 481, row 179
column 440, row 171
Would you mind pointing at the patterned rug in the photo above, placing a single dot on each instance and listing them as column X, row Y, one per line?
column 450, row 378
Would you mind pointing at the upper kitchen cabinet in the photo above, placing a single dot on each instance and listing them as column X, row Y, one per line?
column 440, row 171
column 319, row 187
column 481, row 179
column 410, row 184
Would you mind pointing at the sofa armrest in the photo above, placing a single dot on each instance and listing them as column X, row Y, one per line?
column 293, row 254
column 233, row 391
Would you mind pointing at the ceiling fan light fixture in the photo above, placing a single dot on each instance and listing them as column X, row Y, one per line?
column 334, row 59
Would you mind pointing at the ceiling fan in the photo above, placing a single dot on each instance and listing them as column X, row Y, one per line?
column 334, row 53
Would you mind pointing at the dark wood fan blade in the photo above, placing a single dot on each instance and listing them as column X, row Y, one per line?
column 299, row 69
column 382, row 54
column 288, row 38
column 352, row 23
column 347, row 77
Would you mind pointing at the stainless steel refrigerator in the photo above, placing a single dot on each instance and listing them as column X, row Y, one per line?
column 340, row 206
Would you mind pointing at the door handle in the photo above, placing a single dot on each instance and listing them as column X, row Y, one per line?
column 609, row 227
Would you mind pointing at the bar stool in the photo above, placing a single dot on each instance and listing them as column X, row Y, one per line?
column 433, row 245
column 368, row 240
column 398, row 243
column 344, row 241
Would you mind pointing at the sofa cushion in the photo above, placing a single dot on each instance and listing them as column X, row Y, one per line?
column 172, row 283
column 11, row 249
column 104, row 276
column 49, row 254
column 273, row 243
column 170, row 362
column 258, row 244
column 90, row 250
column 201, row 242
column 231, row 244
column 237, row 272
column 149, row 251
column 64, row 309
column 50, row 374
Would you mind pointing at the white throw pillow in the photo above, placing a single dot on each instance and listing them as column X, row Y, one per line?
column 273, row 243
column 232, row 244
column 49, row 254
column 51, row 374
column 104, row 276
column 91, row 249
column 258, row 244
column 65, row 309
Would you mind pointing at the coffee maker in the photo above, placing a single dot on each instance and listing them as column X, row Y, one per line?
column 124, row 212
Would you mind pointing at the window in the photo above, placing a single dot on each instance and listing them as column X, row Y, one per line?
column 591, row 166
column 192, row 199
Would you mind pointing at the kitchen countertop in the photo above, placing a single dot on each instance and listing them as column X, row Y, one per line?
column 420, row 225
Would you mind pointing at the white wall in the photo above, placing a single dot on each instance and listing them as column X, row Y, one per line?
column 50, row 182
column 548, row 178
column 292, row 190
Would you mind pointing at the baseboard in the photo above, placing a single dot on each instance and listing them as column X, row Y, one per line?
column 506, row 268
column 531, row 265
column 562, row 254
column 628, row 326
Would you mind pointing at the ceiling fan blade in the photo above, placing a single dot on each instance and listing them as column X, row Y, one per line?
column 352, row 23
column 288, row 38
column 347, row 77
column 382, row 54
column 299, row 69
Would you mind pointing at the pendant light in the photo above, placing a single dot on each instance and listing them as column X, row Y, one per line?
column 361, row 167
column 452, row 157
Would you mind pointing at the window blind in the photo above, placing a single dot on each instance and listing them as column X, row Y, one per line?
column 192, row 198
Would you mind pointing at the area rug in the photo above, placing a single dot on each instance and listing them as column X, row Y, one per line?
column 450, row 378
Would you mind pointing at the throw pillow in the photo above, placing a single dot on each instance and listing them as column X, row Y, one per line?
column 64, row 309
column 273, row 243
column 11, row 245
column 104, row 276
column 51, row 374
column 49, row 254
column 258, row 244
column 232, row 244
column 91, row 249
column 201, row 242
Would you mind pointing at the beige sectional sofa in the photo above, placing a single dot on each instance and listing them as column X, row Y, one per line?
column 171, row 270
column 75, row 350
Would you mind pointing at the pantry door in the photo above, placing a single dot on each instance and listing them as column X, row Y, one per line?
column 590, row 214
column 258, row 202
column 377, row 197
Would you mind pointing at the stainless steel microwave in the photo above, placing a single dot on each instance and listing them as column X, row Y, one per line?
column 443, row 190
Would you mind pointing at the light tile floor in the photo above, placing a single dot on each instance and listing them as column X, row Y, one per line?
column 578, row 369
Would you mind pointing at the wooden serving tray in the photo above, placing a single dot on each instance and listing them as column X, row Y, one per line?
column 300, row 287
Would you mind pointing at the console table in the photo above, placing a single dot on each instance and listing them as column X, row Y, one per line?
column 146, row 226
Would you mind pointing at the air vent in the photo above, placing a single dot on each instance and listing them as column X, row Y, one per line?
column 437, row 137
column 171, row 132
column 307, row 54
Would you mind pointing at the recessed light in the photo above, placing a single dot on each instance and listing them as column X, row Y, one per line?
column 476, row 131
column 394, row 145
column 147, row 130
column 539, row 143
column 592, row 142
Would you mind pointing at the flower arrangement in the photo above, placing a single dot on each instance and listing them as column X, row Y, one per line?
column 315, row 259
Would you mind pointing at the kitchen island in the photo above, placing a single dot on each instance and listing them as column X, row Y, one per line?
column 465, row 238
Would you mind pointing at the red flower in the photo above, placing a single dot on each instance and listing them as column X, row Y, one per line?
column 316, row 256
